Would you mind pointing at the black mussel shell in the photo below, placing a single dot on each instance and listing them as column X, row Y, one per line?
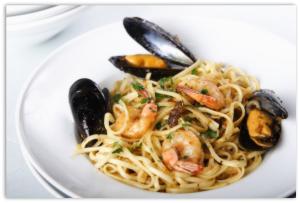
column 272, row 106
column 157, row 41
column 156, row 73
column 108, row 102
column 88, row 105
column 269, row 102
column 247, row 142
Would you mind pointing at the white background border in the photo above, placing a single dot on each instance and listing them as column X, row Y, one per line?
column 2, row 71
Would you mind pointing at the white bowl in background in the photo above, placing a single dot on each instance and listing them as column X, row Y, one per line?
column 46, row 129
column 38, row 15
column 38, row 31
column 14, row 10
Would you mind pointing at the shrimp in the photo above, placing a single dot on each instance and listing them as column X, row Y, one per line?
column 139, row 121
column 203, row 91
column 183, row 153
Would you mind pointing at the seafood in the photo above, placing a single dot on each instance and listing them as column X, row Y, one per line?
column 158, row 41
column 139, row 121
column 183, row 152
column 88, row 104
column 182, row 147
column 204, row 92
column 145, row 61
column 175, row 114
column 166, row 50
column 140, row 65
column 261, row 127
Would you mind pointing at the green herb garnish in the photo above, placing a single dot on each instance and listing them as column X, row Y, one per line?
column 210, row 134
column 162, row 81
column 185, row 157
column 158, row 125
column 116, row 98
column 115, row 144
column 145, row 100
column 161, row 96
column 204, row 91
column 166, row 81
column 194, row 71
column 118, row 150
column 187, row 118
column 137, row 86
column 136, row 145
column 170, row 136
column 185, row 124
column 197, row 105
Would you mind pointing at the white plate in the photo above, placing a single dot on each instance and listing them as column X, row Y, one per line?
column 50, row 188
column 45, row 123
column 14, row 10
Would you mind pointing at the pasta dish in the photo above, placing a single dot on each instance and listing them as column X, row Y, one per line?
column 173, row 123
column 143, row 139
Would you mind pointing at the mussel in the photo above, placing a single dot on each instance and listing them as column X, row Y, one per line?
column 141, row 64
column 261, row 127
column 89, row 103
column 166, row 49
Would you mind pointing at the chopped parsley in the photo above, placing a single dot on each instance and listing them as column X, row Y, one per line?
column 165, row 82
column 204, row 91
column 187, row 118
column 145, row 100
column 116, row 97
column 137, row 86
column 136, row 145
column 194, row 71
column 118, row 148
column 197, row 105
column 210, row 134
column 158, row 125
column 185, row 157
column 170, row 136
column 185, row 124
column 161, row 96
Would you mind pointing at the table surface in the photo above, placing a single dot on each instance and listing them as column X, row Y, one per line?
column 21, row 61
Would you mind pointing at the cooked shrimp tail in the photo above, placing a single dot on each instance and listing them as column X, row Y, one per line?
column 183, row 153
column 138, row 122
column 204, row 92
column 188, row 167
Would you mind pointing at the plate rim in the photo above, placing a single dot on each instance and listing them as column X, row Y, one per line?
column 39, row 177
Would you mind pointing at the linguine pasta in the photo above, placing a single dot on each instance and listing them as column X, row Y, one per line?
column 138, row 161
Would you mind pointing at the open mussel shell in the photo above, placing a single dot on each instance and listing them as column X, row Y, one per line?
column 108, row 102
column 270, row 102
column 156, row 73
column 88, row 103
column 262, row 142
column 261, row 127
column 158, row 41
